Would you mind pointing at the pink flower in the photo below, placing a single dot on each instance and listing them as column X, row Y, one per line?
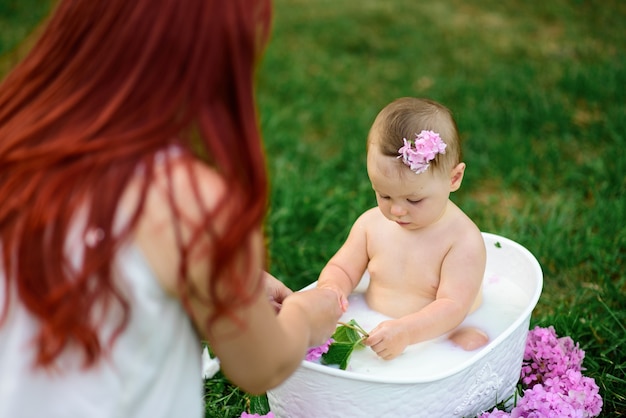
column 548, row 356
column 580, row 391
column 555, row 386
column 537, row 402
column 315, row 353
column 419, row 153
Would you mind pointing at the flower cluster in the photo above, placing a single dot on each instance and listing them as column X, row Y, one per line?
column 247, row 415
column 552, row 380
column 315, row 353
column 418, row 154
column 547, row 356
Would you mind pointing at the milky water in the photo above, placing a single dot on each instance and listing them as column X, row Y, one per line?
column 503, row 302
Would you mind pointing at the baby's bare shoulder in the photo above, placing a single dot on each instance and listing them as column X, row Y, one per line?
column 469, row 241
column 369, row 218
column 465, row 234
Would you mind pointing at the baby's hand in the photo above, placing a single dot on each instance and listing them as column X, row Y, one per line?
column 388, row 339
column 343, row 300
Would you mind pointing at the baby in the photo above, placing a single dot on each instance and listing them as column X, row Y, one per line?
column 425, row 257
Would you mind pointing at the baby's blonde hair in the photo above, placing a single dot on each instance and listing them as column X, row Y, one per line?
column 407, row 116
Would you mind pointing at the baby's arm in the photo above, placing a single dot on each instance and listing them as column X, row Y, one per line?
column 344, row 270
column 460, row 283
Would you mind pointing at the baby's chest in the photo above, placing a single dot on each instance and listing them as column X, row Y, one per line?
column 406, row 257
column 406, row 271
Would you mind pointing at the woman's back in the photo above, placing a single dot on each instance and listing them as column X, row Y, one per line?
column 95, row 332
column 151, row 370
column 106, row 88
column 147, row 374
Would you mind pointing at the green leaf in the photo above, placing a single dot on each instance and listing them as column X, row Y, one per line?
column 338, row 353
column 345, row 334
column 346, row 339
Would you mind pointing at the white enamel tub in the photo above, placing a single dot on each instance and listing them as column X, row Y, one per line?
column 488, row 375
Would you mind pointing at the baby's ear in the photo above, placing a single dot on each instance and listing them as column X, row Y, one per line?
column 456, row 177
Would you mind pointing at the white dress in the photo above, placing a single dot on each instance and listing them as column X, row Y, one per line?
column 153, row 371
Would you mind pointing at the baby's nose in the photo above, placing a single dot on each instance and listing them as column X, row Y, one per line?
column 397, row 210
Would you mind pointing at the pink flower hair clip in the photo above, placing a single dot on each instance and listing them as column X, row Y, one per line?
column 418, row 154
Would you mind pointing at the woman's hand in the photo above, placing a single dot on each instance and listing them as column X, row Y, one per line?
column 322, row 310
column 276, row 291
column 341, row 297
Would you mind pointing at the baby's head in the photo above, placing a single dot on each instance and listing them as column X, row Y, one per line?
column 406, row 117
column 413, row 190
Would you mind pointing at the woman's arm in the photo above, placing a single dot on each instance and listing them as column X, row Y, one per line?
column 257, row 347
column 276, row 291
column 269, row 348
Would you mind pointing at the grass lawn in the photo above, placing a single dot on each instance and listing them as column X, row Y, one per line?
column 537, row 88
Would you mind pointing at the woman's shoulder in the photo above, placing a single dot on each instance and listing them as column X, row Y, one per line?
column 180, row 193
column 190, row 181
column 179, row 185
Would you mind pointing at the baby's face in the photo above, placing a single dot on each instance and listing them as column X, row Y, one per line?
column 411, row 200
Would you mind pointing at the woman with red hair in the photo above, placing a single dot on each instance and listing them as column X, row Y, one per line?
column 133, row 192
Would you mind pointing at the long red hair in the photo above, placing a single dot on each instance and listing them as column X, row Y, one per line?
column 108, row 85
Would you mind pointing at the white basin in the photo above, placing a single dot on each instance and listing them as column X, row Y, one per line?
column 472, row 383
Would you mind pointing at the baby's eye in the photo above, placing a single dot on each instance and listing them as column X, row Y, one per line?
column 414, row 202
column 384, row 197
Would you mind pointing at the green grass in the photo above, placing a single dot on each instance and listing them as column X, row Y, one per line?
column 537, row 88
column 18, row 18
